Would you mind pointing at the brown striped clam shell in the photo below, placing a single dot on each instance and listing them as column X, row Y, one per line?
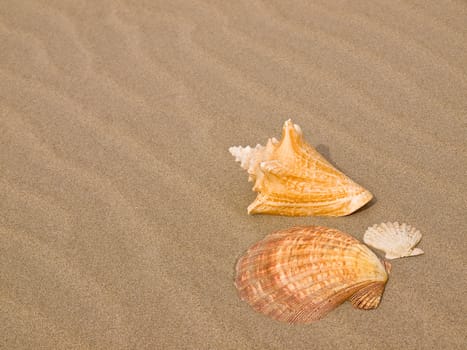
column 300, row 274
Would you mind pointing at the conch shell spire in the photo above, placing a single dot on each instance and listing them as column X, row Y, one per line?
column 293, row 179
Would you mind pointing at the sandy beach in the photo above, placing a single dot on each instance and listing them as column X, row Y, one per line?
column 122, row 213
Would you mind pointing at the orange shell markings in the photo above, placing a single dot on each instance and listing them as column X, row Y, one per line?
column 293, row 179
column 300, row 274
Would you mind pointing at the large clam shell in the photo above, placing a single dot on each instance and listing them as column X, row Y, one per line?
column 293, row 179
column 396, row 240
column 300, row 274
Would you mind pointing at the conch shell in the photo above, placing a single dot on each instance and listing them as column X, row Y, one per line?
column 395, row 240
column 293, row 179
column 300, row 274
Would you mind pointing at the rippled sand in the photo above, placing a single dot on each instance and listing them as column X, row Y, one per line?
column 122, row 213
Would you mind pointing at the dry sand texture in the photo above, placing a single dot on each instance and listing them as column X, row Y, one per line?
column 122, row 212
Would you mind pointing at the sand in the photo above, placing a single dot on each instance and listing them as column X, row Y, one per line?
column 122, row 213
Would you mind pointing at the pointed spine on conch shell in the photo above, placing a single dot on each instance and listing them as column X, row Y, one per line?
column 300, row 274
column 293, row 179
column 396, row 240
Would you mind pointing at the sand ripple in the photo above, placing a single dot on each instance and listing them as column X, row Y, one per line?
column 122, row 213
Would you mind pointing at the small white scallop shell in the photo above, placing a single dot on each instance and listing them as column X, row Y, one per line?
column 396, row 240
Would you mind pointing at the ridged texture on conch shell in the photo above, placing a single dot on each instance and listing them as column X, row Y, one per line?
column 293, row 179
column 300, row 274
column 396, row 240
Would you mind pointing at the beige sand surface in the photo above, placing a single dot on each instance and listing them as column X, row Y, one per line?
column 122, row 213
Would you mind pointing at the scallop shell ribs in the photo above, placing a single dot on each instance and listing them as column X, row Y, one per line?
column 301, row 274
column 293, row 179
column 396, row 240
